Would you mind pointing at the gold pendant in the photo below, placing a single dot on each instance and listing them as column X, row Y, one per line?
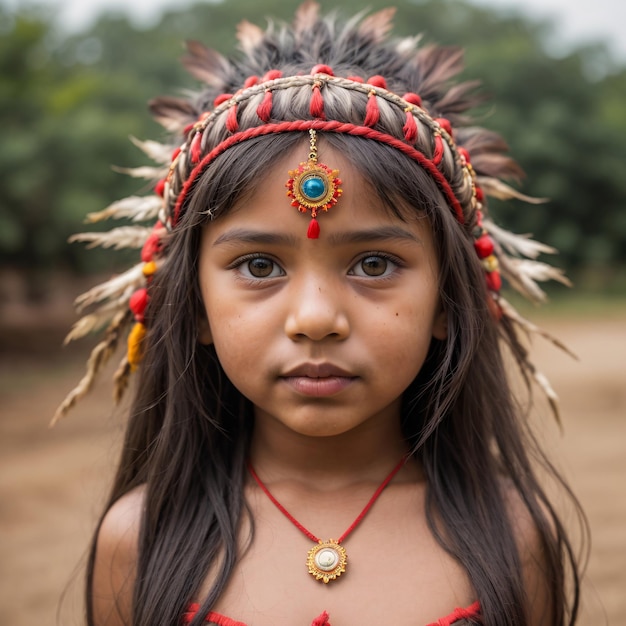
column 327, row 560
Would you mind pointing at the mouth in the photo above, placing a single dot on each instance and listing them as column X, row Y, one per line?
column 318, row 379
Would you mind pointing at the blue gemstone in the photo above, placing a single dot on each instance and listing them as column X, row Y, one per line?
column 314, row 188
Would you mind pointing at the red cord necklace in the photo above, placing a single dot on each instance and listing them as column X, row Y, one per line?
column 327, row 560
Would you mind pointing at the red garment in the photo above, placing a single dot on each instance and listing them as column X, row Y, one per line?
column 472, row 611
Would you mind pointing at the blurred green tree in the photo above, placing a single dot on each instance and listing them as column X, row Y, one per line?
column 69, row 104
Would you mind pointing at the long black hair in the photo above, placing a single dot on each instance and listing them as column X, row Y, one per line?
column 189, row 429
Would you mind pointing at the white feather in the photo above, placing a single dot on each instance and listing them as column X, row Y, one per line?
column 517, row 244
column 114, row 288
column 149, row 173
column 158, row 152
column 90, row 323
column 497, row 189
column 136, row 208
column 116, row 238
column 97, row 360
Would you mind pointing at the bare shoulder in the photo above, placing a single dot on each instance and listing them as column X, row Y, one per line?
column 532, row 551
column 116, row 560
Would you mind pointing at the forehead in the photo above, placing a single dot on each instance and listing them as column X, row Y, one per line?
column 267, row 207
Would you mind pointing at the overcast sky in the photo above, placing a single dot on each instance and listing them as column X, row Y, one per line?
column 577, row 21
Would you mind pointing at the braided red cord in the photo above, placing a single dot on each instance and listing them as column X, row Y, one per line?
column 328, row 126
column 470, row 612
column 214, row 618
column 352, row 526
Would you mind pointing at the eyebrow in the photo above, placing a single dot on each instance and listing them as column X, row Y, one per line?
column 244, row 235
column 384, row 233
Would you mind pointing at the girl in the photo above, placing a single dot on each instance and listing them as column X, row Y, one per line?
column 322, row 430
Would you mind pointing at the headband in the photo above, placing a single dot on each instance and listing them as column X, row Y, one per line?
column 350, row 105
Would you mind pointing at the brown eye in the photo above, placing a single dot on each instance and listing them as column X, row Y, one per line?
column 374, row 265
column 260, row 268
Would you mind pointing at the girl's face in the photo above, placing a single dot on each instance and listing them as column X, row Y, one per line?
column 321, row 335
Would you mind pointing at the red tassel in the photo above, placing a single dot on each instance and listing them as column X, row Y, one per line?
column 322, row 620
column 372, row 112
column 480, row 196
column 322, row 69
column 222, row 98
column 313, row 232
column 150, row 248
column 494, row 281
column 412, row 98
column 272, row 75
column 377, row 81
column 410, row 128
column 438, row 154
column 264, row 110
column 196, row 150
column 445, row 124
column 356, row 79
column 159, row 188
column 138, row 303
column 250, row 81
column 317, row 103
column 231, row 121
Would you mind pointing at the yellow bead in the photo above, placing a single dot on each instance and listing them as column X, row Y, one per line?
column 491, row 263
column 149, row 269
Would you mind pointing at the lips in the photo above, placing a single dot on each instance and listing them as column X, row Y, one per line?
column 318, row 370
column 318, row 379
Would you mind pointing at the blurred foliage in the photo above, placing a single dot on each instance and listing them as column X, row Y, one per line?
column 68, row 105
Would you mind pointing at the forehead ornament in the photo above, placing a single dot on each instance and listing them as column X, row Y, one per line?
column 313, row 186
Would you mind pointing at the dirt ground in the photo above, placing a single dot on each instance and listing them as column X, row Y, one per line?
column 52, row 482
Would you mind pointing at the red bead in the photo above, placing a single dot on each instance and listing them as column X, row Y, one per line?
column 150, row 248
column 445, row 124
column 483, row 246
column 159, row 188
column 377, row 81
column 494, row 281
column 480, row 196
column 222, row 98
column 322, row 69
column 272, row 75
column 138, row 302
column 412, row 98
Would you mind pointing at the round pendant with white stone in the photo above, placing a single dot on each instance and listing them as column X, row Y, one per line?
column 327, row 560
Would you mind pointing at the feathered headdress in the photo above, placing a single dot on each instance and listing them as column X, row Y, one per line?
column 354, row 80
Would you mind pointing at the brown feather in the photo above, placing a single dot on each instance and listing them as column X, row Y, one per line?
column 378, row 25
column 249, row 36
column 173, row 113
column 306, row 14
column 205, row 64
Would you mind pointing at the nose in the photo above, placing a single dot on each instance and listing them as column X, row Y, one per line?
column 317, row 311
